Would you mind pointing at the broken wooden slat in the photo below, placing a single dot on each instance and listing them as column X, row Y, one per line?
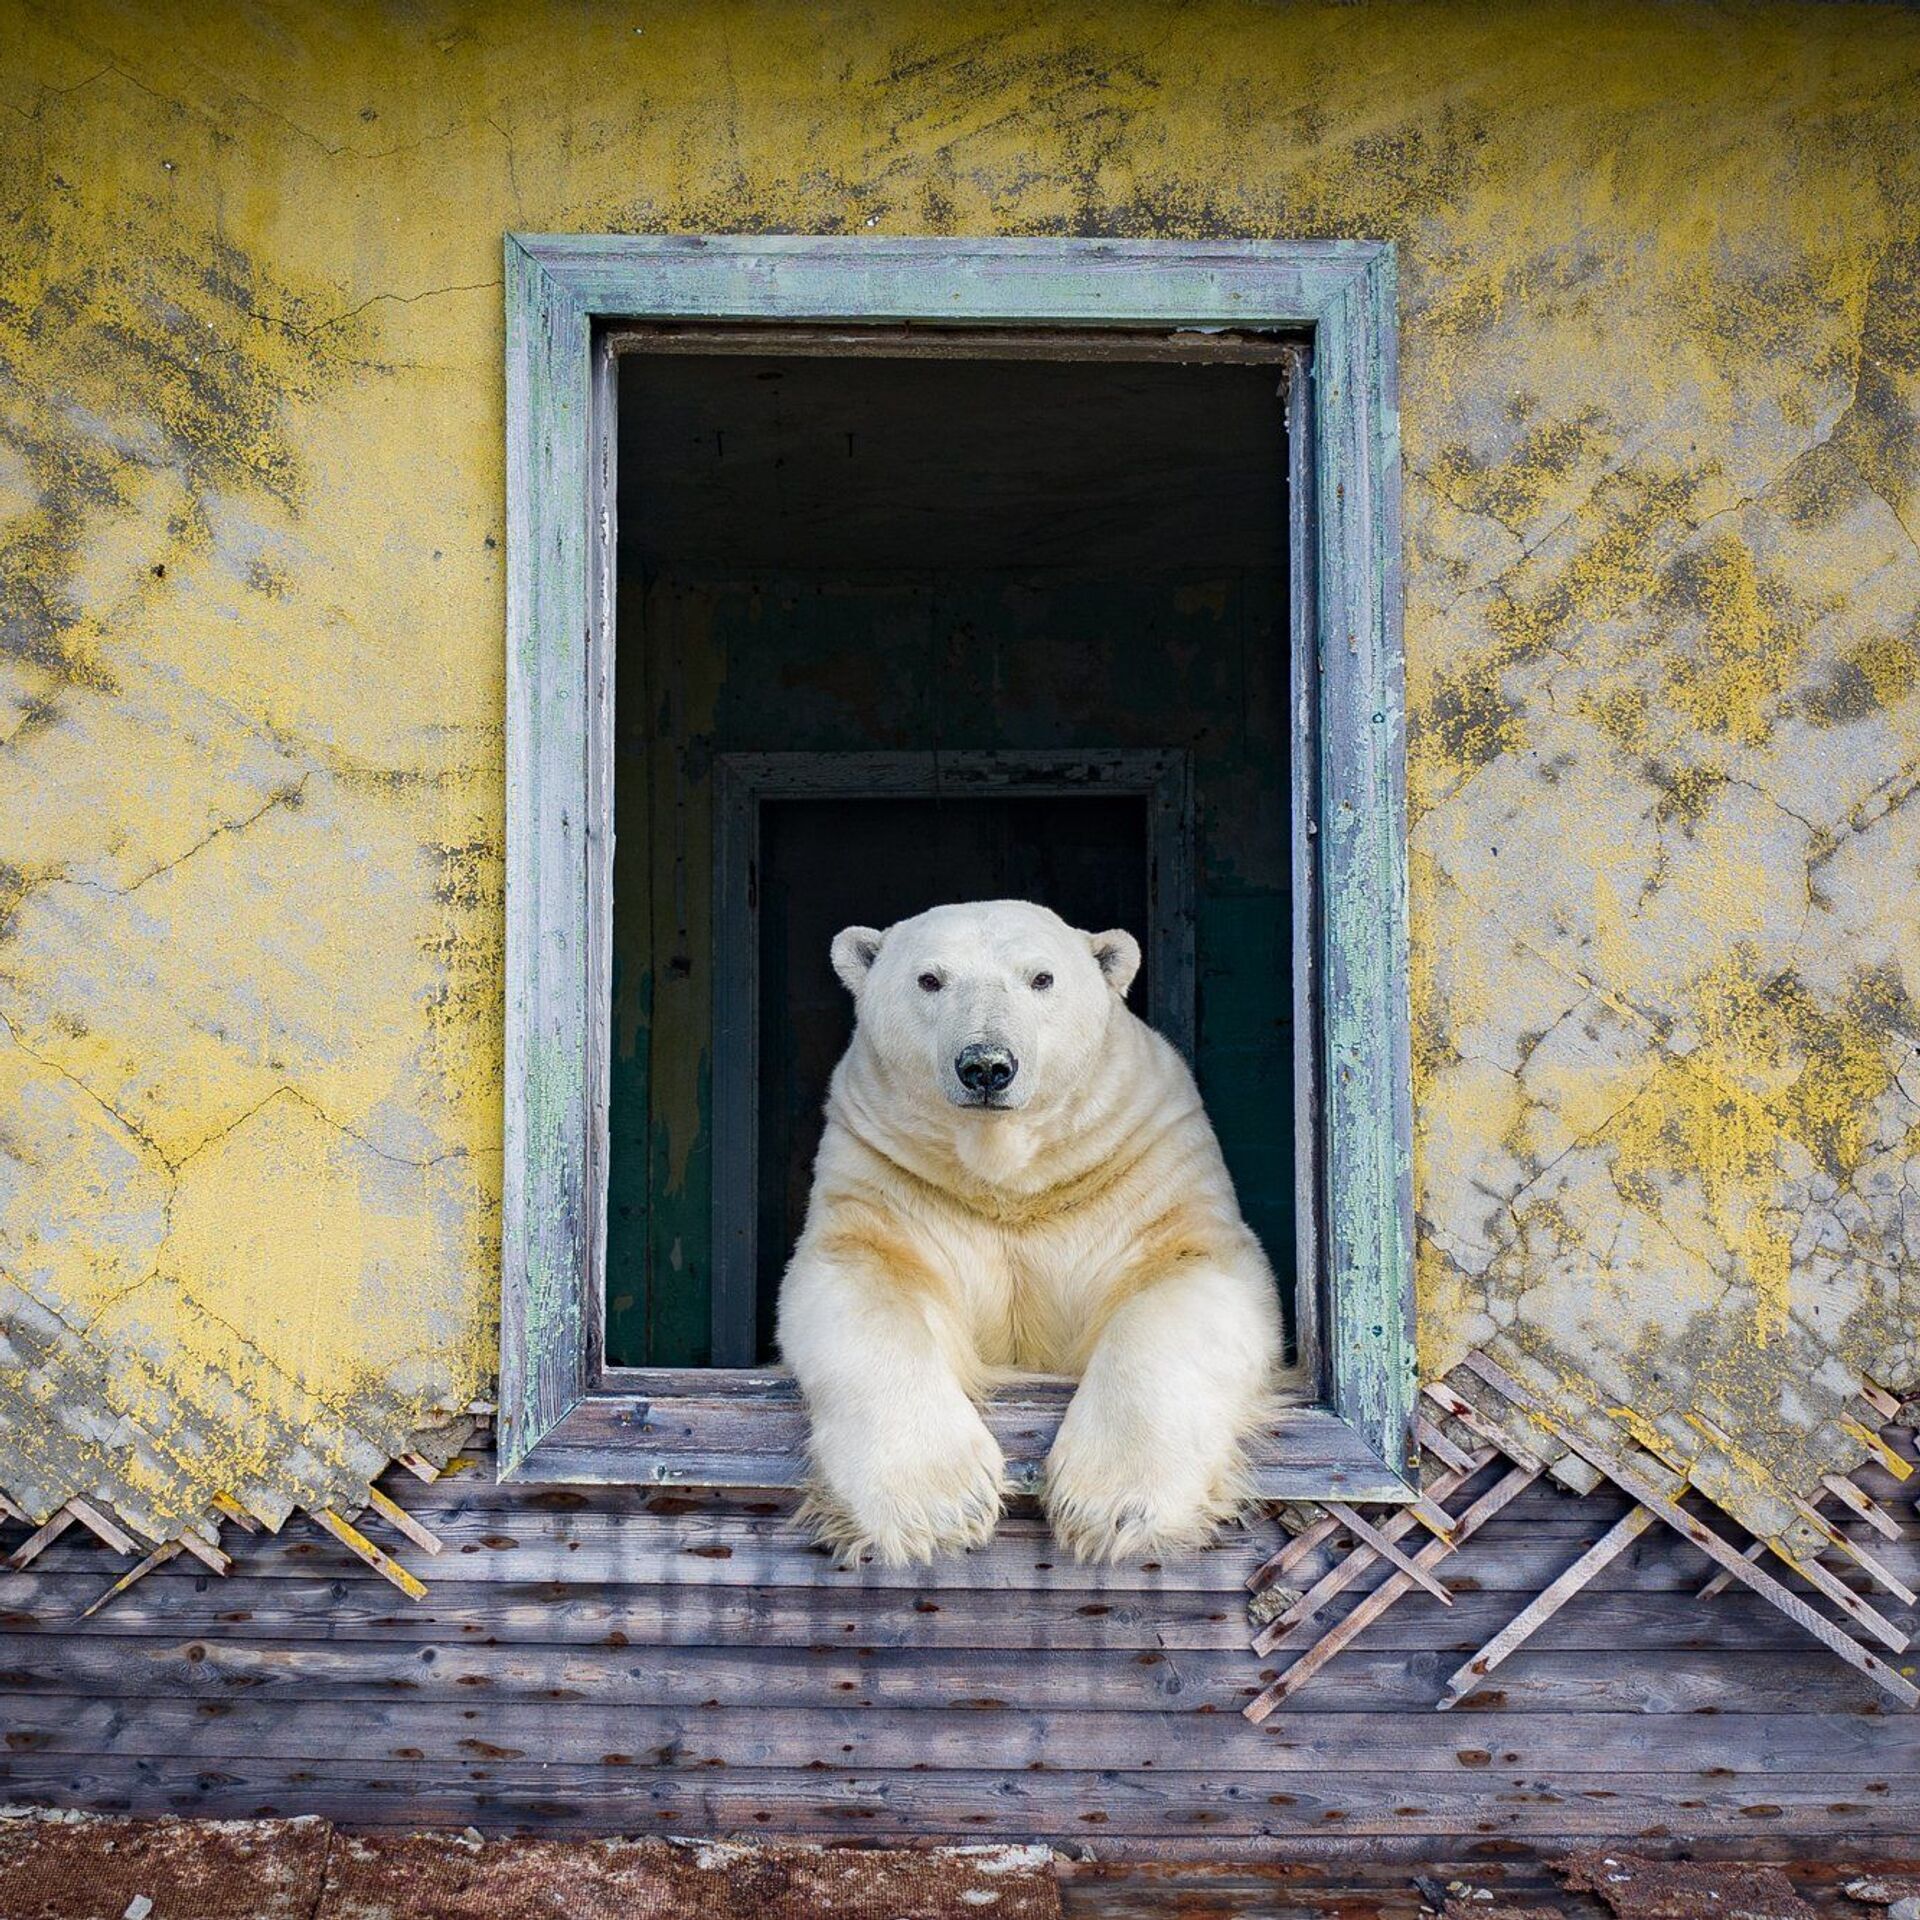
column 231, row 1509
column 1843, row 1597
column 1290, row 1556
column 102, row 1526
column 419, row 1466
column 1338, row 1579
column 1875, row 1568
column 1476, row 1422
column 41, row 1538
column 397, row 1517
column 1640, row 1488
column 1722, row 1580
column 209, row 1557
column 1364, row 1530
column 362, row 1548
column 1431, row 1515
column 157, row 1558
column 1885, row 1404
column 1877, row 1447
column 1428, row 1433
column 1809, row 1569
column 1869, row 1509
column 1504, row 1491
column 1535, row 1615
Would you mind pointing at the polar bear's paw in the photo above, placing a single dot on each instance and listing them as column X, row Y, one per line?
column 903, row 1503
column 1109, row 1500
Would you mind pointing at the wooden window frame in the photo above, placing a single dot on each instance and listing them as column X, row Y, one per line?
column 1326, row 310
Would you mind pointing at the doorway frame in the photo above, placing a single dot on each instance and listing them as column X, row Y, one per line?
column 745, row 782
column 564, row 1415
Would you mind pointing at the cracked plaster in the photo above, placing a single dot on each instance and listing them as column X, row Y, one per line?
column 1661, row 366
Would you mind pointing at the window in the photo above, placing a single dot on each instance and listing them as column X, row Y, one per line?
column 845, row 578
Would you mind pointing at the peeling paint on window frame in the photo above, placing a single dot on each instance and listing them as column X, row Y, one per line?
column 563, row 1415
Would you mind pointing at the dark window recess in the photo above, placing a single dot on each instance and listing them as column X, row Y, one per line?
column 847, row 556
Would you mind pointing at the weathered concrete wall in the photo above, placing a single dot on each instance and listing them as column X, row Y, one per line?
column 1661, row 323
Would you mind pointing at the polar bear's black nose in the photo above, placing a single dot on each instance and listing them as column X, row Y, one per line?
column 985, row 1069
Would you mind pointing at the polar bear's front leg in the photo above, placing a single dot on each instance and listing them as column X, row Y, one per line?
column 1148, row 1457
column 903, row 1464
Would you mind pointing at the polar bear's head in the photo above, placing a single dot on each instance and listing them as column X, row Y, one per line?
column 997, row 1004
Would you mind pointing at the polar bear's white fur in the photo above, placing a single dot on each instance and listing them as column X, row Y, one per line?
column 1077, row 1219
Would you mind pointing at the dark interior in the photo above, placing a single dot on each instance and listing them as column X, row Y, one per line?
column 838, row 555
column 827, row 864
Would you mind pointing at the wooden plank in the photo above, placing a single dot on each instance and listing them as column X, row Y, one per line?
column 1303, row 805
column 1722, row 1580
column 157, row 1558
column 1641, row 1488
column 878, row 279
column 1125, row 1675
column 1182, row 346
column 1343, row 1574
column 624, row 1544
column 397, row 1517
column 230, row 1509
column 1051, row 1628
column 1014, row 1737
column 357, row 1544
column 1876, row 1570
column 1508, row 1488
column 1835, row 1589
column 1525, row 1624
column 1304, row 1453
column 42, row 1537
column 1450, row 1400
column 1870, row 1510
column 1889, row 1460
column 1436, row 1443
column 597, row 720
column 545, row 1310
column 1297, row 1548
column 102, row 1526
column 1206, row 1810
column 1366, row 1071
column 1885, row 1404
column 209, row 1557
column 1371, row 1535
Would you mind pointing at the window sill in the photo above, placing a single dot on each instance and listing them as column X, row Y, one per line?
column 685, row 1428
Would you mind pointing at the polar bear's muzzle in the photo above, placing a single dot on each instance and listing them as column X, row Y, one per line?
column 985, row 1073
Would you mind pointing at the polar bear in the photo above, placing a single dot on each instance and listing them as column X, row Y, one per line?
column 1017, row 1174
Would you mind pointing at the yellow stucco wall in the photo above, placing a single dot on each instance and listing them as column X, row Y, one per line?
column 1661, row 333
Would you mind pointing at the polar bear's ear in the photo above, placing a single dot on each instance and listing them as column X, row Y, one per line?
column 854, row 951
column 1119, row 955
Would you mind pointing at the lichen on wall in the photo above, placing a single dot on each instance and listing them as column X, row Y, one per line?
column 1661, row 364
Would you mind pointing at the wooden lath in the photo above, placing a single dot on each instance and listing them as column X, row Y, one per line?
column 1656, row 1490
column 1337, row 1579
column 208, row 1552
column 436, row 1452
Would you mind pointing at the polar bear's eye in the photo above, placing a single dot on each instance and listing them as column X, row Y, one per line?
column 929, row 983
column 1041, row 982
